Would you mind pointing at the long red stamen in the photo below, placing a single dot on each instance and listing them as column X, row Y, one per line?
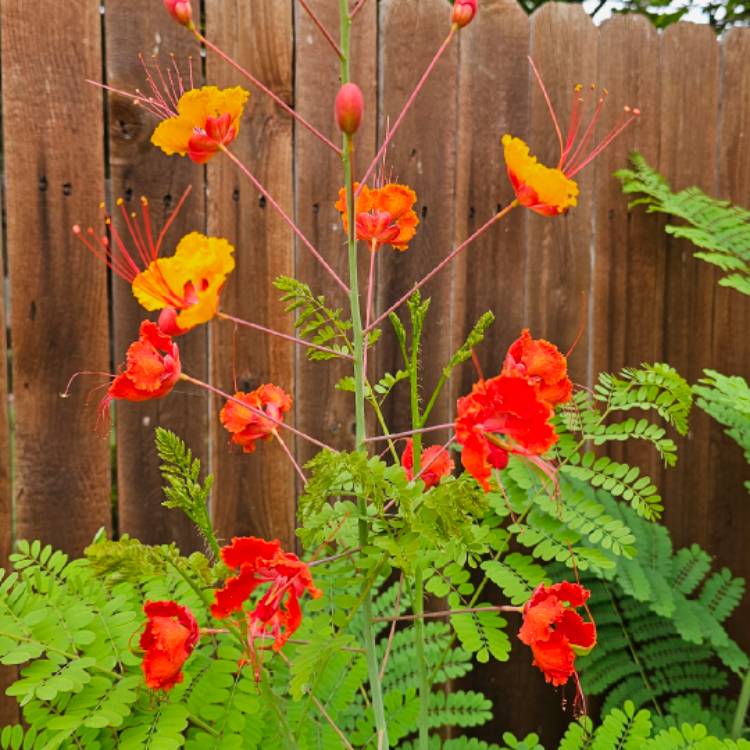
column 549, row 104
column 574, row 125
column 588, row 134
column 634, row 114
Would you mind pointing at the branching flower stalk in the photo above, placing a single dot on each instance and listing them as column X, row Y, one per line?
column 373, row 666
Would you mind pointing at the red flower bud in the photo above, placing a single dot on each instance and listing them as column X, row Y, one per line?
column 180, row 10
column 349, row 107
column 464, row 12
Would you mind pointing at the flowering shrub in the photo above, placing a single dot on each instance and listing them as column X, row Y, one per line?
column 247, row 644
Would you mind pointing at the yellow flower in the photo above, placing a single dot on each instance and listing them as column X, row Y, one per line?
column 187, row 285
column 207, row 119
column 542, row 189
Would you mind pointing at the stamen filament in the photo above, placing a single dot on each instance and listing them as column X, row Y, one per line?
column 549, row 103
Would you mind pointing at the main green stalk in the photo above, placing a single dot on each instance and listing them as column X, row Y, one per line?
column 738, row 725
column 373, row 667
column 418, row 597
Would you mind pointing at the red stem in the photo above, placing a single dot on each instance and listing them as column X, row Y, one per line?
column 407, row 107
column 358, row 7
column 440, row 266
column 323, row 30
column 409, row 433
column 262, row 190
column 289, row 455
column 281, row 103
column 279, row 334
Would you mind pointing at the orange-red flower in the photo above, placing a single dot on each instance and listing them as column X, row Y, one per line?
column 542, row 365
column 207, row 119
column 169, row 638
column 555, row 631
column 551, row 191
column 501, row 415
column 247, row 423
column 383, row 216
column 435, row 463
column 185, row 286
column 152, row 368
column 257, row 562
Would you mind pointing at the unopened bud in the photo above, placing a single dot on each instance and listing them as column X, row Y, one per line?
column 180, row 10
column 464, row 12
column 349, row 107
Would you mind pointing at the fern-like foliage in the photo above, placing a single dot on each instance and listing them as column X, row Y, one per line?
column 727, row 400
column 628, row 728
column 315, row 321
column 660, row 618
column 720, row 230
column 586, row 418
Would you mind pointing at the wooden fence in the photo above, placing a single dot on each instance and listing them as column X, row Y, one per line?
column 641, row 294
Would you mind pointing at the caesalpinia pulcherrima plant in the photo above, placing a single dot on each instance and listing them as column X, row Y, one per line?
column 252, row 646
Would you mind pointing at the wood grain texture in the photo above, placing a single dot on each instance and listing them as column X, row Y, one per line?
column 138, row 168
column 560, row 259
column 254, row 494
column 9, row 713
column 323, row 412
column 687, row 156
column 494, row 99
column 630, row 257
column 423, row 156
column 730, row 510
column 54, row 176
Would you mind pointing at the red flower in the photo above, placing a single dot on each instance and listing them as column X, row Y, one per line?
column 436, row 463
column 181, row 11
column 151, row 370
column 555, row 631
column 500, row 416
column 168, row 640
column 248, row 425
column 258, row 562
column 542, row 365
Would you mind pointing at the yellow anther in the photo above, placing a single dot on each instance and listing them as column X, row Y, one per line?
column 120, row 201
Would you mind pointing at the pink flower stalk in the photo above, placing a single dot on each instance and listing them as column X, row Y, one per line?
column 350, row 105
column 463, row 12
column 181, row 11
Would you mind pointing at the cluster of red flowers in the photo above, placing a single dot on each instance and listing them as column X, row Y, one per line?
column 511, row 412
column 171, row 631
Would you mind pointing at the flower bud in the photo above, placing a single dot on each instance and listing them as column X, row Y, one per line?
column 464, row 12
column 180, row 10
column 349, row 107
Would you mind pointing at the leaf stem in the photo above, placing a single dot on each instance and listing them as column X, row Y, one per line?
column 287, row 219
column 443, row 263
column 740, row 715
column 279, row 334
column 262, row 87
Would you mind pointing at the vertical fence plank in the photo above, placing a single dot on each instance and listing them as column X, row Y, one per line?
column 559, row 266
column 138, row 168
column 321, row 411
column 254, row 493
column 731, row 321
column 428, row 165
column 9, row 713
column 629, row 259
column 689, row 107
column 493, row 100
column 54, row 177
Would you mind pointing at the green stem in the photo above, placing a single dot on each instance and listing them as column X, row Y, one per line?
column 373, row 666
column 743, row 702
column 424, row 680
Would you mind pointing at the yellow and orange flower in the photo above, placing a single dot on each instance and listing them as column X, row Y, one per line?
column 207, row 119
column 545, row 190
column 187, row 285
column 551, row 191
column 383, row 216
